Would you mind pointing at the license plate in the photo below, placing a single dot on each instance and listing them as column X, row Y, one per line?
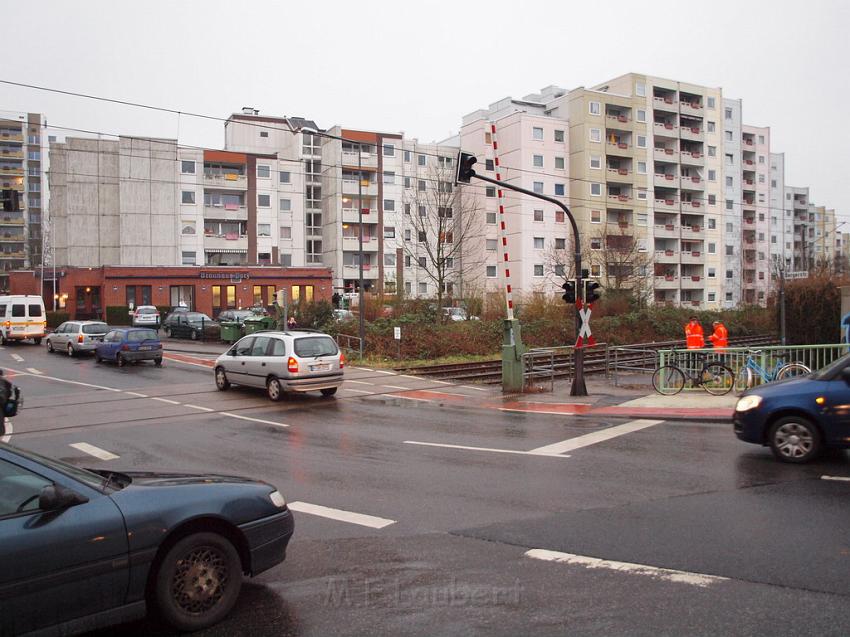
column 144, row 347
column 321, row 367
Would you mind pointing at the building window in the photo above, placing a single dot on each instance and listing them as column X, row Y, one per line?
column 188, row 227
column 730, row 159
column 389, row 260
column 559, row 216
column 595, row 216
column 488, row 165
column 593, row 108
column 538, row 269
column 560, row 244
column 264, row 230
column 729, row 227
column 729, row 204
column 188, row 257
column 710, row 126
column 264, row 258
column 712, row 248
column 537, row 161
column 389, row 232
column 712, row 175
column 263, row 171
column 286, row 205
column 641, row 141
column 728, row 136
column 596, row 243
column 188, row 196
column 389, row 177
column 712, row 151
column 389, row 150
column 595, row 190
column 538, row 215
column 711, row 102
column 407, row 156
column 560, row 190
column 712, row 273
column 491, row 271
column 285, row 232
column 761, row 139
column 730, row 251
column 640, row 89
column 761, row 179
column 389, row 205
column 596, row 134
column 538, row 187
column 264, row 201
column 728, row 113
column 187, row 167
column 729, row 274
column 761, row 159
column 711, row 295
column 712, row 223
column 284, row 176
column 537, row 133
column 729, row 182
column 641, row 168
column 641, row 115
column 423, row 288
column 538, row 243
column 492, row 245
column 423, row 262
column 641, row 193
column 490, row 191
column 595, row 270
column 559, row 163
column 421, row 160
column 559, row 135
column 491, row 218
column 596, row 161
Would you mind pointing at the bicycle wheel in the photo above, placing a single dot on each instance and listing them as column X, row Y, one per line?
column 668, row 380
column 744, row 379
column 792, row 370
column 717, row 379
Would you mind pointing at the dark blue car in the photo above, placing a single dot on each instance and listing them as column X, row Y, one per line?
column 799, row 417
column 130, row 345
column 81, row 549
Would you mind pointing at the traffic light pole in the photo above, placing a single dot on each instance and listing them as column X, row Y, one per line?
column 578, row 387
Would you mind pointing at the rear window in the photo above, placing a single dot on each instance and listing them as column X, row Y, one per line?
column 95, row 328
column 141, row 335
column 147, row 310
column 35, row 310
column 19, row 310
column 315, row 346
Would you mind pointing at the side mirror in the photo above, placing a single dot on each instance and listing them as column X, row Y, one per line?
column 55, row 497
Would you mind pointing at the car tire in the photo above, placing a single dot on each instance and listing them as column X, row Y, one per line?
column 795, row 439
column 274, row 389
column 70, row 350
column 157, row 362
column 37, row 341
column 167, row 331
column 328, row 391
column 186, row 602
column 221, row 382
column 50, row 349
column 120, row 360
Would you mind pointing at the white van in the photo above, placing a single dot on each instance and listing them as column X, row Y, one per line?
column 22, row 317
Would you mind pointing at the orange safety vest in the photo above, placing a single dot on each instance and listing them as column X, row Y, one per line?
column 720, row 338
column 694, row 336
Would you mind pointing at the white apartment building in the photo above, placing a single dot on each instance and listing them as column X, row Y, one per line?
column 781, row 227
column 755, row 164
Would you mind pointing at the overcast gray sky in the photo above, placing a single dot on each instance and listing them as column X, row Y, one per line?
column 419, row 66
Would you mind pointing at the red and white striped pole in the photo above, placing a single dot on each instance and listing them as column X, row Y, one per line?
column 503, row 235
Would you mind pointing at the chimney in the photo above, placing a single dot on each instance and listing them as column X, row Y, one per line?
column 247, row 110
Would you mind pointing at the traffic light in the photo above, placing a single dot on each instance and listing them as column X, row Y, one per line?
column 10, row 200
column 592, row 291
column 465, row 161
column 569, row 295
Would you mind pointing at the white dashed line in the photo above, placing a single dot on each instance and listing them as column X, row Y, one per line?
column 343, row 516
column 9, row 431
column 835, row 478
column 383, row 371
column 597, row 436
column 363, row 369
column 63, row 380
column 259, row 420
column 396, row 387
column 439, row 382
column 33, row 370
column 359, row 391
column 197, row 407
column 18, row 358
column 358, row 382
column 488, row 449
column 671, row 575
column 475, row 388
column 409, row 376
column 136, row 394
column 165, row 400
column 97, row 452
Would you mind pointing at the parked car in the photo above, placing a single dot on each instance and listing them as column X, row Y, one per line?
column 343, row 315
column 85, row 548
column 237, row 316
column 22, row 317
column 146, row 316
column 194, row 325
column 458, row 314
column 130, row 345
column 798, row 417
column 76, row 337
column 294, row 361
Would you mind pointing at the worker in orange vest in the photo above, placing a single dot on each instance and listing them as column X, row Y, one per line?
column 694, row 335
column 720, row 338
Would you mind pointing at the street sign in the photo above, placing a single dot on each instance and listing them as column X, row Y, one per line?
column 799, row 274
column 585, row 336
column 397, row 333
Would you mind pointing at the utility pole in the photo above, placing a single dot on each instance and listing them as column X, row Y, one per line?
column 465, row 161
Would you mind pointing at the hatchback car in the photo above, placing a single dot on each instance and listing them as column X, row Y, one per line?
column 82, row 549
column 146, row 316
column 798, row 417
column 294, row 361
column 130, row 345
column 194, row 325
column 237, row 316
column 76, row 337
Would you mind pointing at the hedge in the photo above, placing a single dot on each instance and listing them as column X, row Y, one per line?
column 117, row 315
column 55, row 319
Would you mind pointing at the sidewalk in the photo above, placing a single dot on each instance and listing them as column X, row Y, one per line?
column 188, row 346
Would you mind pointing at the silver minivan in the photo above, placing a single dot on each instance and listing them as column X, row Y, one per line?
column 76, row 337
column 291, row 361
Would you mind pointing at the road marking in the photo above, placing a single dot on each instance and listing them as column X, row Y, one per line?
column 165, row 400
column 358, row 382
column 177, row 358
column 593, row 438
column 396, row 387
column 383, row 371
column 440, row 382
column 9, row 430
column 63, row 380
column 18, row 358
column 97, row 452
column 197, row 407
column 359, row 391
column 835, row 478
column 340, row 515
column 671, row 575
column 33, row 370
column 491, row 450
column 259, row 420
column 363, row 369
column 475, row 388
column 421, row 400
column 136, row 394
column 409, row 376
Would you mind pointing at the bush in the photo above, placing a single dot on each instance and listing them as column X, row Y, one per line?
column 55, row 319
column 117, row 315
column 812, row 311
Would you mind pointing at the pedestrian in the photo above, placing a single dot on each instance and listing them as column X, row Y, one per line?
column 292, row 324
column 693, row 334
column 720, row 337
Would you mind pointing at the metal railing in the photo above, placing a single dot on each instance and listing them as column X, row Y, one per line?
column 538, row 365
column 549, row 363
column 349, row 344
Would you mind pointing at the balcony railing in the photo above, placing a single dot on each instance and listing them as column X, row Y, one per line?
column 619, row 172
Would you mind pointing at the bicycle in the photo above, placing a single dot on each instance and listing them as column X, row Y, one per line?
column 714, row 377
column 745, row 379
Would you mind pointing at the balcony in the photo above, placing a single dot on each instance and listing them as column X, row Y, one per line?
column 666, row 154
column 352, row 244
column 665, row 180
column 619, row 200
column 369, row 160
column 351, row 215
column 748, row 203
column 692, row 158
column 692, row 133
column 11, row 137
column 352, row 271
column 352, row 187
column 693, row 182
column 694, row 206
column 11, row 185
column 748, row 162
column 693, row 232
column 667, row 230
column 11, row 220
column 619, row 175
column 666, row 256
column 666, row 282
column 748, row 143
column 8, row 153
column 226, row 212
column 12, row 255
column 619, row 149
column 231, row 241
column 690, row 108
column 14, row 171
column 618, row 122
column 693, row 282
column 694, row 256
column 670, row 205
column 227, row 181
column 665, row 103
column 663, row 129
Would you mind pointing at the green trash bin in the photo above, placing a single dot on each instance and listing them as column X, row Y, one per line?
column 269, row 322
column 253, row 324
column 230, row 331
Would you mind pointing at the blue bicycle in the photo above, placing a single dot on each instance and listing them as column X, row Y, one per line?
column 751, row 370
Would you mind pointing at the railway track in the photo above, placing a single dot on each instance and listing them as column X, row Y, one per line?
column 595, row 362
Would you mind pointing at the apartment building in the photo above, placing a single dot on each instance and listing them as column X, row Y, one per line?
column 755, row 166
column 21, row 169
column 781, row 225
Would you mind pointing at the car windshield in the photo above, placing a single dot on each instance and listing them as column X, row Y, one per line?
column 833, row 367
column 315, row 346
column 88, row 478
column 142, row 335
column 95, row 328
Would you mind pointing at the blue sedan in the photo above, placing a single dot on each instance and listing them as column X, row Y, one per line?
column 799, row 417
column 81, row 549
column 128, row 345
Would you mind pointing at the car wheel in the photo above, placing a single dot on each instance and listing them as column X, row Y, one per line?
column 221, row 381
column 157, row 362
column 167, row 331
column 70, row 350
column 198, row 581
column 274, row 389
column 329, row 391
column 120, row 360
column 795, row 439
column 50, row 346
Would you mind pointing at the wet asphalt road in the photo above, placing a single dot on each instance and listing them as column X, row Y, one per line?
column 453, row 559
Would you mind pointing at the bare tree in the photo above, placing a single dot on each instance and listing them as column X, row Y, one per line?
column 446, row 233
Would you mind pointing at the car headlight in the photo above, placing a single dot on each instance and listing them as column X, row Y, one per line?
column 277, row 499
column 748, row 402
